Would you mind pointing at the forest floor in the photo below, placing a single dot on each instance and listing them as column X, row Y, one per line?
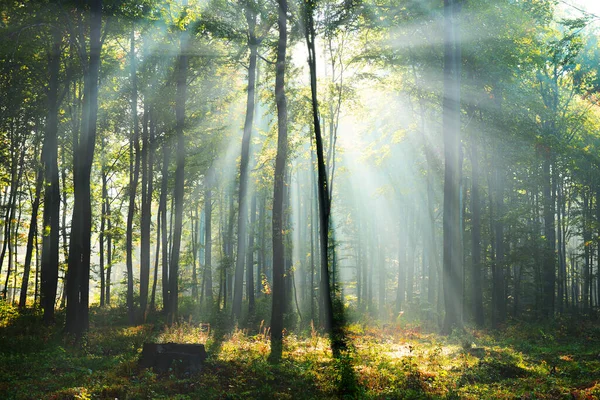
column 392, row 362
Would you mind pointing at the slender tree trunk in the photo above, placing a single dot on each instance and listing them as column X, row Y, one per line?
column 38, row 264
column 498, row 278
column 156, row 261
column 15, row 252
column 134, row 172
column 549, row 259
column 260, row 268
column 207, row 282
column 30, row 238
column 331, row 323
column 243, row 188
column 180, row 98
column 146, row 217
column 250, row 259
column 195, row 233
column 162, row 211
column 401, row 289
column 477, row 281
column 278, row 189
column 109, row 245
column 16, row 176
column 451, row 127
column 102, row 235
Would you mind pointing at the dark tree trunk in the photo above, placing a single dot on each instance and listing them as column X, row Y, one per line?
column 401, row 289
column 180, row 98
column 134, row 172
column 451, row 127
column 109, row 245
column 102, row 235
column 162, row 211
column 207, row 281
column 549, row 259
column 31, row 237
column 17, row 169
column 146, row 216
column 250, row 259
column 78, row 275
column 150, row 194
column 278, row 189
column 228, row 250
column 260, row 268
column 195, row 232
column 156, row 261
column 331, row 323
column 243, row 188
column 477, row 281
column 499, row 312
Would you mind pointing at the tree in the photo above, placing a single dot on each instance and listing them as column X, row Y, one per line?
column 452, row 264
column 253, row 42
column 278, row 189
column 51, row 217
column 180, row 97
column 78, row 275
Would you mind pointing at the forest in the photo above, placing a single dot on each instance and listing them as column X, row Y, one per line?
column 299, row 199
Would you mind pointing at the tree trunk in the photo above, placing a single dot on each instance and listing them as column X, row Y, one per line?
column 401, row 289
column 278, row 189
column 498, row 276
column 243, row 188
column 162, row 211
column 109, row 246
column 195, row 233
column 250, row 259
column 17, row 169
column 260, row 268
column 30, row 238
column 549, row 259
column 146, row 216
column 180, row 98
column 134, row 172
column 477, row 281
column 78, row 276
column 331, row 323
column 207, row 281
column 451, row 129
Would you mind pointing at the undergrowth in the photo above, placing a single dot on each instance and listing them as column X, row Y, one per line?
column 520, row 361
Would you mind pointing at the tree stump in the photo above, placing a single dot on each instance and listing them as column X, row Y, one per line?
column 180, row 357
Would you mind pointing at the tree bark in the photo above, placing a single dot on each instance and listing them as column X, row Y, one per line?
column 146, row 216
column 549, row 258
column 207, row 281
column 250, row 258
column 451, row 130
column 134, row 172
column 162, row 211
column 243, row 188
column 477, row 281
column 31, row 237
column 330, row 322
column 180, row 98
column 278, row 189
column 78, row 275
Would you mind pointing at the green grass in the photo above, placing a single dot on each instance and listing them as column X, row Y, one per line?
column 560, row 361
